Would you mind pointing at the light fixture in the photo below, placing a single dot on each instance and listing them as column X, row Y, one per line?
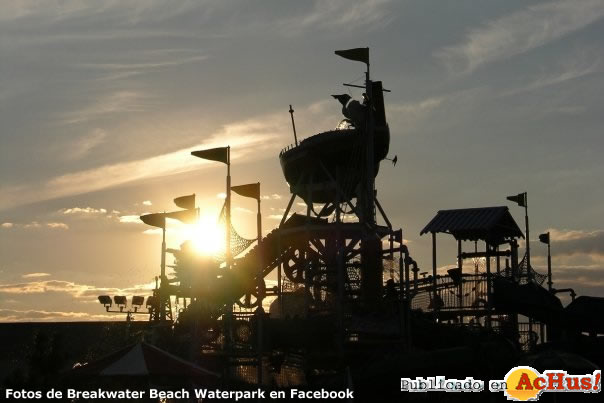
column 121, row 301
column 106, row 301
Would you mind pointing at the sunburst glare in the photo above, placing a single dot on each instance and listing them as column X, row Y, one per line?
column 207, row 236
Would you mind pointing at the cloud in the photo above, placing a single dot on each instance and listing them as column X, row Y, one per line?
column 573, row 242
column 57, row 225
column 275, row 216
column 411, row 113
column 340, row 14
column 82, row 147
column 83, row 211
column 35, row 275
column 36, row 225
column 13, row 315
column 117, row 71
column 249, row 140
column 61, row 12
column 147, row 203
column 577, row 65
column 74, row 289
column 520, row 32
column 110, row 104
column 131, row 219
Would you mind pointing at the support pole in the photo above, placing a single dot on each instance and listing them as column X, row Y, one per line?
column 228, row 211
column 260, row 295
column 228, row 317
column 434, row 271
column 528, row 238
column 340, row 256
column 550, row 283
column 489, row 292
column 460, row 287
column 162, row 284
column 291, row 112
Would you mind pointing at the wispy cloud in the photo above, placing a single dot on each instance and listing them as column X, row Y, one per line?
column 413, row 112
column 118, row 102
column 573, row 242
column 64, row 10
column 340, row 14
column 520, row 32
column 83, row 211
column 7, row 225
column 74, row 289
column 577, row 65
column 130, row 219
column 250, row 139
column 115, row 71
column 57, row 225
column 82, row 146
column 35, row 275
column 31, row 315
column 147, row 203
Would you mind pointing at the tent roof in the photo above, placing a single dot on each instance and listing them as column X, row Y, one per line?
column 493, row 224
column 143, row 359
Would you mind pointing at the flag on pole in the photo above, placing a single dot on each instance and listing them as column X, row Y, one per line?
column 186, row 202
column 356, row 54
column 520, row 198
column 544, row 238
column 155, row 220
column 220, row 154
column 250, row 190
column 186, row 216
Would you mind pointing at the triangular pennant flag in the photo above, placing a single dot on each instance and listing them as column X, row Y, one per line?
column 356, row 54
column 520, row 198
column 155, row 220
column 250, row 190
column 186, row 202
column 186, row 216
column 544, row 238
column 220, row 154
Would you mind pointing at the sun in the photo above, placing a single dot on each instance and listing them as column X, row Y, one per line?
column 207, row 236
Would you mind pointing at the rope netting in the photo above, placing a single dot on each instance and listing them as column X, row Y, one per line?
column 526, row 272
column 238, row 243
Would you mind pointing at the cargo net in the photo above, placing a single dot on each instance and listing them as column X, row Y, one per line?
column 238, row 243
column 526, row 273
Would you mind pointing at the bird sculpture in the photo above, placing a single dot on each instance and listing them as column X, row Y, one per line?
column 352, row 110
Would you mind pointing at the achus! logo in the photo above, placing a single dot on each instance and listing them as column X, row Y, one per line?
column 523, row 383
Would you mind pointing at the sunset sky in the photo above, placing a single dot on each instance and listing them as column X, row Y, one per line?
column 101, row 103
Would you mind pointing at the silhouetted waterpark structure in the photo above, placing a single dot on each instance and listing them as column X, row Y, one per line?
column 351, row 305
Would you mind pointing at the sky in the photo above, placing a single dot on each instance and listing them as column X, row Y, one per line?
column 101, row 103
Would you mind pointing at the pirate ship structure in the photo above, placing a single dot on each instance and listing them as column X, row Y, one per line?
column 351, row 305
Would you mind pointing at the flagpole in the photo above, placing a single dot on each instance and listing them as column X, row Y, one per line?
column 260, row 309
column 162, row 312
column 228, row 211
column 370, row 179
column 528, row 237
column 549, row 264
